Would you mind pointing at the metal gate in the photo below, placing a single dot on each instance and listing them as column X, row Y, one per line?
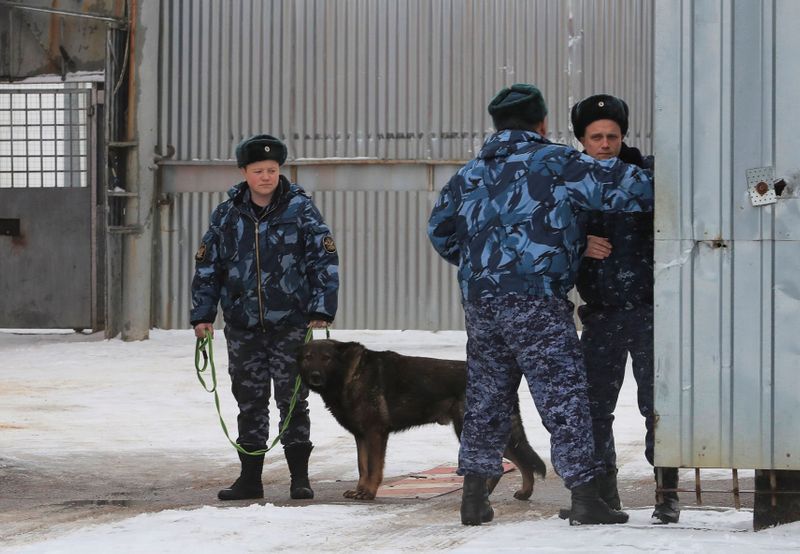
column 727, row 264
column 48, row 270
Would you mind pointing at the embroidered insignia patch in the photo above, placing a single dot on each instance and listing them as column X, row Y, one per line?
column 328, row 244
column 201, row 252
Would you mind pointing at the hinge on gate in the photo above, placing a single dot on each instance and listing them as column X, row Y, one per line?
column 125, row 229
column 123, row 144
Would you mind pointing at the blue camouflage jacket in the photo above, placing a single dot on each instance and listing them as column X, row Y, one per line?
column 279, row 269
column 509, row 218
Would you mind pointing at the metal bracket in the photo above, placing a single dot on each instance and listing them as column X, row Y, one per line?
column 9, row 227
column 760, row 186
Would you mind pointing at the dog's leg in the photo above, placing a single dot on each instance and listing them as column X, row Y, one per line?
column 520, row 452
column 525, row 492
column 457, row 416
column 363, row 468
column 376, row 455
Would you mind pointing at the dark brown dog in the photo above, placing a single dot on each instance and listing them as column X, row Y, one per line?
column 373, row 394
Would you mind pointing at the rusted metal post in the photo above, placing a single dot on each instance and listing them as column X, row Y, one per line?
column 737, row 501
column 697, row 487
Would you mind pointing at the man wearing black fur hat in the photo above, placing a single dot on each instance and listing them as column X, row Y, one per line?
column 616, row 282
column 269, row 259
column 507, row 219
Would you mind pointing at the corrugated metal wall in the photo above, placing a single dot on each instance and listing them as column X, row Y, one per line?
column 383, row 80
column 727, row 294
column 388, row 79
column 378, row 240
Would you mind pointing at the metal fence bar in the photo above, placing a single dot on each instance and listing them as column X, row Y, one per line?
column 44, row 136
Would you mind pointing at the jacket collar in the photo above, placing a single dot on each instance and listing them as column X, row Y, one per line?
column 240, row 194
column 505, row 143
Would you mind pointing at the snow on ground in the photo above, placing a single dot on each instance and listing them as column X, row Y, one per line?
column 320, row 529
column 68, row 393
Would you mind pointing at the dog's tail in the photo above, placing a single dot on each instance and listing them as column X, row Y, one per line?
column 520, row 447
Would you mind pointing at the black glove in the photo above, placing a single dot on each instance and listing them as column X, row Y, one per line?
column 631, row 155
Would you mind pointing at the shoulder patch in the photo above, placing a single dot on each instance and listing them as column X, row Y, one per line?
column 328, row 244
column 201, row 252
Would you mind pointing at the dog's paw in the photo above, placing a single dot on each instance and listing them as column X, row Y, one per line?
column 523, row 494
column 360, row 494
column 364, row 494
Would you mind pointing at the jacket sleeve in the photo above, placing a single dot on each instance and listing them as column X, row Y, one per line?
column 322, row 265
column 442, row 223
column 607, row 185
column 207, row 281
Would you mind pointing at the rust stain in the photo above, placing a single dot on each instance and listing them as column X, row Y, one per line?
column 53, row 34
column 10, row 426
column 18, row 243
column 119, row 8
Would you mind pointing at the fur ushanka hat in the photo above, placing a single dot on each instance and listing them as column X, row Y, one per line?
column 258, row 148
column 594, row 108
column 519, row 101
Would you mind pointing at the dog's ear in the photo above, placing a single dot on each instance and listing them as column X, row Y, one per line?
column 350, row 353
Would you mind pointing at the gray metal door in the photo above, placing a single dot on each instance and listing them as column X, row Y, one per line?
column 727, row 392
column 47, row 221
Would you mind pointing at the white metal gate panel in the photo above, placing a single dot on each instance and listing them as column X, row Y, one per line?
column 727, row 293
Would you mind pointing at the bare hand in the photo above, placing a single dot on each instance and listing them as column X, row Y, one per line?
column 597, row 247
column 318, row 323
column 201, row 328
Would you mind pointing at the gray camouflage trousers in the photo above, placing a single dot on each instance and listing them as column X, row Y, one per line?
column 513, row 336
column 256, row 359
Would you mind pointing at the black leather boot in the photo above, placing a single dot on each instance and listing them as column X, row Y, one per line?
column 607, row 489
column 589, row 509
column 475, row 507
column 297, row 458
column 248, row 485
column 667, row 509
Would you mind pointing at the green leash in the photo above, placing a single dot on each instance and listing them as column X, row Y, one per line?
column 208, row 360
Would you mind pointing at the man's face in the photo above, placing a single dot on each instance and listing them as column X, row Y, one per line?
column 602, row 139
column 262, row 178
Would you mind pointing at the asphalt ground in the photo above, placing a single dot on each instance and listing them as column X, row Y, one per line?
column 50, row 493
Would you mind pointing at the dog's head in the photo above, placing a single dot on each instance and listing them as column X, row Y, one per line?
column 323, row 363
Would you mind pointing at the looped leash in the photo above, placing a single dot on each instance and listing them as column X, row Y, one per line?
column 205, row 347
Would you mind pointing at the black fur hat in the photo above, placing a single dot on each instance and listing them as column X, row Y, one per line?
column 258, row 148
column 519, row 101
column 599, row 106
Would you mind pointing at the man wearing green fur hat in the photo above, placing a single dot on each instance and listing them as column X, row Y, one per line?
column 508, row 220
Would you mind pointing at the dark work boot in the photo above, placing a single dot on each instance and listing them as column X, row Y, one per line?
column 248, row 485
column 607, row 489
column 297, row 458
column 667, row 508
column 475, row 507
column 589, row 509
